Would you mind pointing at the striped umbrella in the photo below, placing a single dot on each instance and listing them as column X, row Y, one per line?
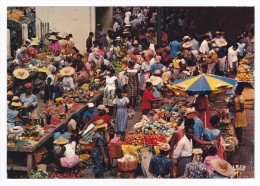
column 203, row 84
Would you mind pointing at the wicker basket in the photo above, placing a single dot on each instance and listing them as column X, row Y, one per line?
column 127, row 166
column 38, row 156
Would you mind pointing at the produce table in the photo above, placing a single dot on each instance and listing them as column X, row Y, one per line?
column 29, row 150
column 132, row 149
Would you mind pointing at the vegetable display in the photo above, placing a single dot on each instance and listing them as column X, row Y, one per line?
column 140, row 139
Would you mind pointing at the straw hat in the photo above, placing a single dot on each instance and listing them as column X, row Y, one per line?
column 187, row 45
column 21, row 73
column 54, row 31
column 222, row 167
column 154, row 80
column 103, row 107
column 16, row 102
column 61, row 141
column 36, row 39
column 53, row 38
column 221, row 42
column 34, row 43
column 190, row 111
column 67, row 71
column 100, row 124
column 197, row 151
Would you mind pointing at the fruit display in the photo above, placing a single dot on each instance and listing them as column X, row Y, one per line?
column 154, row 127
column 120, row 65
column 141, row 139
column 245, row 76
column 73, row 174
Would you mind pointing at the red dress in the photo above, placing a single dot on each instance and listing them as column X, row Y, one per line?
column 147, row 98
column 97, row 117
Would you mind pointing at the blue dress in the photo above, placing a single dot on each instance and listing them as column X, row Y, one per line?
column 175, row 47
column 29, row 100
column 121, row 114
column 99, row 167
column 160, row 165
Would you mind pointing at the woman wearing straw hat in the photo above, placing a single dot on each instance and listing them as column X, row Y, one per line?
column 222, row 169
column 55, row 46
column 100, row 154
column 66, row 155
column 160, row 165
column 13, row 113
column 67, row 82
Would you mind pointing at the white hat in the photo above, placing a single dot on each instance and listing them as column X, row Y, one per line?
column 90, row 105
column 186, row 37
column 118, row 38
column 28, row 40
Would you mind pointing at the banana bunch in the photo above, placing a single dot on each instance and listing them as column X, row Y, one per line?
column 245, row 77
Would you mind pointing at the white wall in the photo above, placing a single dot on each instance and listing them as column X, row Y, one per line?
column 76, row 20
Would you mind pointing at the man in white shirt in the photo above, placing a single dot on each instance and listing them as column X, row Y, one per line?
column 183, row 151
column 233, row 53
column 204, row 47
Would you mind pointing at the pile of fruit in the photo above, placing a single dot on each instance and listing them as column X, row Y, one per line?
column 74, row 174
column 154, row 127
column 244, row 73
column 141, row 139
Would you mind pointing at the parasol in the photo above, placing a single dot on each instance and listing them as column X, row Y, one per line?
column 203, row 84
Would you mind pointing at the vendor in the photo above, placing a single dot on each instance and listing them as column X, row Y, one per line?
column 13, row 113
column 55, row 46
column 90, row 112
column 49, row 84
column 157, row 66
column 67, row 82
column 28, row 99
column 66, row 153
column 160, row 165
column 222, row 169
column 148, row 98
column 102, row 114
column 100, row 154
column 58, row 88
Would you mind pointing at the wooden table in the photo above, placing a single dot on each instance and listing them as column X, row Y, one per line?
column 29, row 150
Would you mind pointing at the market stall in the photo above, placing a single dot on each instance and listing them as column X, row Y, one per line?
column 28, row 146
